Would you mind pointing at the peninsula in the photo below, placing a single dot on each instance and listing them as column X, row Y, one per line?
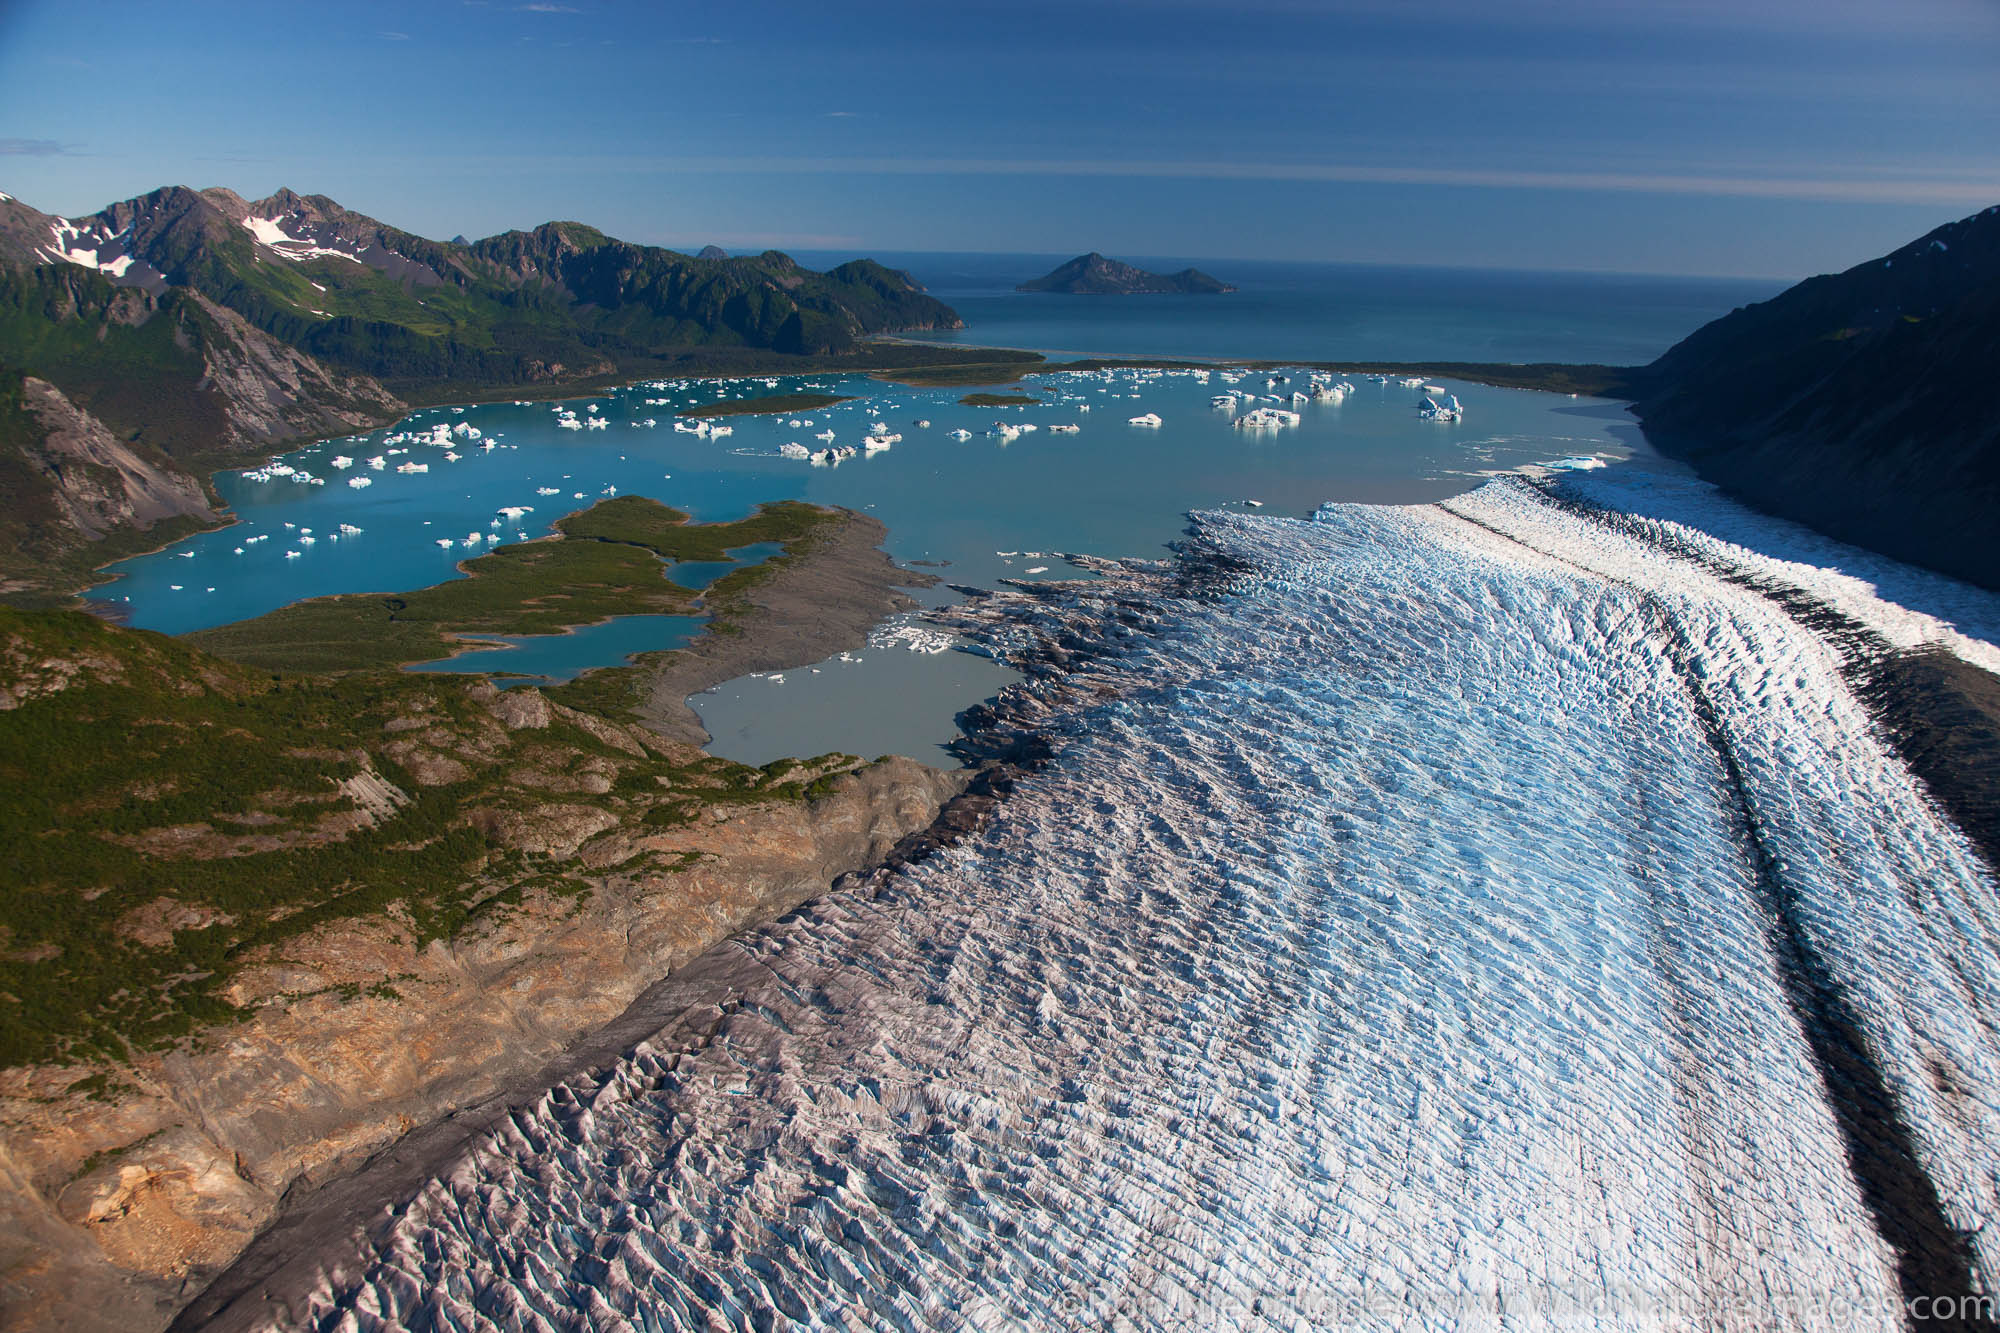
column 1094, row 275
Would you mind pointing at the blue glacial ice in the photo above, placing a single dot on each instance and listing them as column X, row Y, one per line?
column 1444, row 917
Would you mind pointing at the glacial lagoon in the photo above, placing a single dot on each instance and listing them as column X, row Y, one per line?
column 1495, row 914
column 1005, row 502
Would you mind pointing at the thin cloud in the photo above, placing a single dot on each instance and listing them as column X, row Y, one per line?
column 394, row 36
column 1935, row 189
column 542, row 8
column 1863, row 18
column 31, row 148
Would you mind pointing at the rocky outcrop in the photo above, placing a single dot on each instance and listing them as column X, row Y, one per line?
column 99, row 483
column 124, row 1189
column 274, row 394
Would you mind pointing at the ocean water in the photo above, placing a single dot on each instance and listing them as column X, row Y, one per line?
column 1331, row 312
column 1498, row 913
column 974, row 512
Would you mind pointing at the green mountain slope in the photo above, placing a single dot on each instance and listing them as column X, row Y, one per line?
column 521, row 307
column 194, row 328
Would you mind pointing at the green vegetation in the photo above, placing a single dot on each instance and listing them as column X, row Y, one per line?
column 987, row 366
column 561, row 301
column 133, row 361
column 619, row 692
column 998, row 400
column 168, row 818
column 608, row 562
column 773, row 403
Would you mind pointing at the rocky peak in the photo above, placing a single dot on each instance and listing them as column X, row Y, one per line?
column 285, row 200
column 226, row 201
column 24, row 232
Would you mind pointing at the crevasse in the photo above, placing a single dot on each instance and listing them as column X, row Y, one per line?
column 1477, row 915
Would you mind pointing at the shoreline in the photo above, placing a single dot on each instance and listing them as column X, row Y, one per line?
column 323, row 1230
column 120, row 1208
column 205, row 469
column 1609, row 383
column 805, row 612
column 676, row 1014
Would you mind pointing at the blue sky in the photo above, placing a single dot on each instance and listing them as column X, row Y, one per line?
column 1754, row 137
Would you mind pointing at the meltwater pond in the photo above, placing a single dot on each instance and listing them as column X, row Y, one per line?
column 545, row 659
column 1004, row 502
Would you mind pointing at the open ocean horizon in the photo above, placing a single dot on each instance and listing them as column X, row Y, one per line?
column 1326, row 311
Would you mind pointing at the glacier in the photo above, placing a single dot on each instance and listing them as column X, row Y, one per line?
column 1502, row 913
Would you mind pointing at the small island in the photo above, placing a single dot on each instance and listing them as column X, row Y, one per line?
column 1094, row 275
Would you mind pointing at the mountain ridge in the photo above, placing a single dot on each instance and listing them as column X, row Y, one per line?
column 1855, row 402
column 205, row 327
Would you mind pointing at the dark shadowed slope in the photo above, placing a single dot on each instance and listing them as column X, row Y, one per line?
column 1860, row 403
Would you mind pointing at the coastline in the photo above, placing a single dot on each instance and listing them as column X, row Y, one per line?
column 205, row 468
column 1067, row 637
column 804, row 612
column 808, row 609
column 125, row 1201
column 982, row 366
column 323, row 1230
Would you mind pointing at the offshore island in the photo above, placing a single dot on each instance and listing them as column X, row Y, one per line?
column 1094, row 275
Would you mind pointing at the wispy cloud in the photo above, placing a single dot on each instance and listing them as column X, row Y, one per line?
column 541, row 7
column 1937, row 188
column 1866, row 18
column 842, row 115
column 393, row 36
column 30, row 148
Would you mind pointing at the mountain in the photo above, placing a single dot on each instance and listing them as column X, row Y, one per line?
column 194, row 328
column 523, row 307
column 67, row 484
column 1859, row 403
column 1094, row 275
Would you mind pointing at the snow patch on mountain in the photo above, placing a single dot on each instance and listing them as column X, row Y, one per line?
column 92, row 244
column 270, row 232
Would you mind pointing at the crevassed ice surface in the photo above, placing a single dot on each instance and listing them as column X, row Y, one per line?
column 1473, row 916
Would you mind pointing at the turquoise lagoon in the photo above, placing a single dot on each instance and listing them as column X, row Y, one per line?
column 973, row 511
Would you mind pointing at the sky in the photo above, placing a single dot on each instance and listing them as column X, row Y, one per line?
column 1765, row 138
